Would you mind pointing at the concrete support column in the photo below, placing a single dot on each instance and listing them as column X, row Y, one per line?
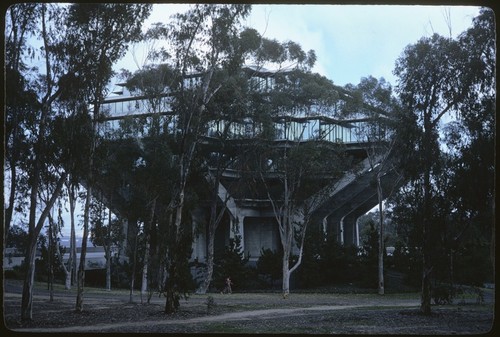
column 349, row 223
column 341, row 231
column 357, row 232
column 324, row 225
column 334, row 227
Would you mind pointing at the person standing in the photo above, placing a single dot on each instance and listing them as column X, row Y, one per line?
column 227, row 288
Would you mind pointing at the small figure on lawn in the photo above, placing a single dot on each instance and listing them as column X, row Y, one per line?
column 227, row 288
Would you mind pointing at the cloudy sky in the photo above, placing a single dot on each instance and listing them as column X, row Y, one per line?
column 350, row 41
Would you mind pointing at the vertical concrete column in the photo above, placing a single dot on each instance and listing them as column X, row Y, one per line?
column 334, row 227
column 356, row 238
column 349, row 224
column 324, row 225
column 341, row 231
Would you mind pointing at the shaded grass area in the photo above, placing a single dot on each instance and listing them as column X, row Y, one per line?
column 112, row 312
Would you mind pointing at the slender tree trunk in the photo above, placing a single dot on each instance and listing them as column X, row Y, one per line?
column 107, row 248
column 212, row 227
column 50, row 261
column 425, row 305
column 134, row 266
column 67, row 273
column 83, row 252
column 286, row 273
column 108, row 266
column 210, row 265
column 144, row 285
column 12, row 194
column 381, row 247
column 171, row 303
column 72, row 247
column 34, row 231
column 27, row 299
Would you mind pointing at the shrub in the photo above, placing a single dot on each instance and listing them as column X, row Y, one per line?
column 269, row 265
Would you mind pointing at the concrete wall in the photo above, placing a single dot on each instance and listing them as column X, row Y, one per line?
column 260, row 233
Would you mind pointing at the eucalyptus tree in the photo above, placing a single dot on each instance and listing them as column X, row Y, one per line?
column 199, row 43
column 479, row 118
column 67, row 53
column 304, row 164
column 440, row 77
column 106, row 231
column 38, row 162
column 236, row 105
column 377, row 133
column 470, row 139
column 100, row 33
column 153, row 174
column 20, row 96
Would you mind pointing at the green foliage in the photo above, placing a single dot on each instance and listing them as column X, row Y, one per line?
column 310, row 274
column 269, row 265
column 339, row 263
column 369, row 258
column 17, row 237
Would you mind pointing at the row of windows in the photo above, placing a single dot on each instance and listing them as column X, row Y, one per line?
column 136, row 107
column 311, row 129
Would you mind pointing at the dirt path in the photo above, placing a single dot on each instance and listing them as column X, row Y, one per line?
column 233, row 316
column 302, row 313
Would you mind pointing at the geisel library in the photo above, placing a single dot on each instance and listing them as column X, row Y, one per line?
column 248, row 216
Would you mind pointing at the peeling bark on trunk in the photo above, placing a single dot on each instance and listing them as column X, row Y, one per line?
column 286, row 275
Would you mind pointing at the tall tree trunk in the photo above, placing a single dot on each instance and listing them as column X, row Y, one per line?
column 66, row 270
column 107, row 252
column 12, row 194
column 425, row 304
column 286, row 273
column 29, row 279
column 72, row 247
column 212, row 227
column 50, row 261
column 381, row 288
column 34, row 231
column 210, row 265
column 134, row 265
column 107, row 248
column 144, row 285
column 83, row 252
column 172, row 302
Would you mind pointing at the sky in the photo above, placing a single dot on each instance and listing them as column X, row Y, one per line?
column 350, row 41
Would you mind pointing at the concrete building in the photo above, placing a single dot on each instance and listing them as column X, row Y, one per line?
column 347, row 198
